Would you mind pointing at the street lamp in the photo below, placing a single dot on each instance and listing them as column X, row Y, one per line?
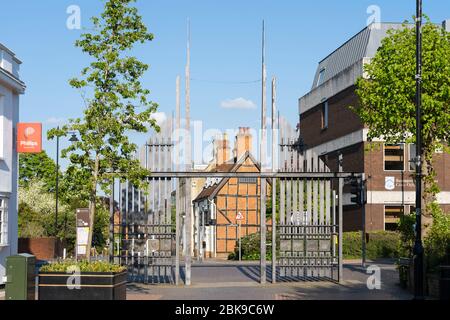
column 418, row 246
column 72, row 139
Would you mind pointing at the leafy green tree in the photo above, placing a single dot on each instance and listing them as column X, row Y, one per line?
column 38, row 166
column 387, row 97
column 116, row 103
column 37, row 212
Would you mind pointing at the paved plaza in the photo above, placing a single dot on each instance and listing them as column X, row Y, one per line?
column 222, row 280
column 215, row 280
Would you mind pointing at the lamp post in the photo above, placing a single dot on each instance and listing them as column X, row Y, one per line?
column 418, row 246
column 73, row 139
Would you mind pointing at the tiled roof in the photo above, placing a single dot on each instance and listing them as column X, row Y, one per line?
column 226, row 167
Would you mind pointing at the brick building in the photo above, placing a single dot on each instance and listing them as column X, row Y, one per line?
column 221, row 200
column 329, row 127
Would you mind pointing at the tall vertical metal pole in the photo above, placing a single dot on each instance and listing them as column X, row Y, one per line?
column 418, row 246
column 57, row 186
column 363, row 242
column 111, row 223
column 262, row 160
column 274, row 182
column 178, row 189
column 188, row 224
column 340, row 213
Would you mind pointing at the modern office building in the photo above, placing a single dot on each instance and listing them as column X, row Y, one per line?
column 329, row 128
column 11, row 87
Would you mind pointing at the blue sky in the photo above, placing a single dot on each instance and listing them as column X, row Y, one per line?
column 226, row 48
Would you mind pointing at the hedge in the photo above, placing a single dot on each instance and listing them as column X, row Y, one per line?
column 380, row 244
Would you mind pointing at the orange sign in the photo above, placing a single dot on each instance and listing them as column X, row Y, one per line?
column 29, row 137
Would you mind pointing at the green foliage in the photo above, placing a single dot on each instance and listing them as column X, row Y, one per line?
column 83, row 266
column 251, row 248
column 381, row 244
column 37, row 212
column 407, row 235
column 387, row 96
column 37, row 166
column 101, row 227
column 437, row 241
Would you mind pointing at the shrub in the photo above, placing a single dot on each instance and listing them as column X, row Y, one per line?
column 437, row 241
column 250, row 246
column 381, row 244
column 84, row 266
column 351, row 245
column 407, row 235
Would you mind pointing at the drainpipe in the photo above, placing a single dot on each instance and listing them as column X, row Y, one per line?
column 213, row 228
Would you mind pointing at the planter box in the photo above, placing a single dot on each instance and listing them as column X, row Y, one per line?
column 93, row 286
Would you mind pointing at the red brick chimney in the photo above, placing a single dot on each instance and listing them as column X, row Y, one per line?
column 221, row 150
column 243, row 143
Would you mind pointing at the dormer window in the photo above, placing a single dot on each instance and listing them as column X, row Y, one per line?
column 321, row 77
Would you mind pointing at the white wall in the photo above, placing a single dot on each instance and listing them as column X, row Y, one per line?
column 10, row 89
column 8, row 172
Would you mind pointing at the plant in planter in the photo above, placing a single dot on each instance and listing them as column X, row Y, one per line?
column 437, row 253
column 71, row 280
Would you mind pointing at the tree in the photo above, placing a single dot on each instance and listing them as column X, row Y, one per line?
column 37, row 166
column 37, row 211
column 387, row 97
column 117, row 104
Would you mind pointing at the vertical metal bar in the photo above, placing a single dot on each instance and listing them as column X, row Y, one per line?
column 177, row 186
column 188, row 201
column 341, row 211
column 111, row 223
column 274, row 184
column 262, row 160
column 334, row 238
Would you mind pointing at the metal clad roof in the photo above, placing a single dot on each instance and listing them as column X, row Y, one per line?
column 362, row 45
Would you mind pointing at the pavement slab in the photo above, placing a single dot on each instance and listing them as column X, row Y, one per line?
column 219, row 280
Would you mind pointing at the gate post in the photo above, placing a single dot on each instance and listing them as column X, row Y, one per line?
column 341, row 211
column 111, row 223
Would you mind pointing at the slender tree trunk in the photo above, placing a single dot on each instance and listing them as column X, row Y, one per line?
column 92, row 205
column 91, row 230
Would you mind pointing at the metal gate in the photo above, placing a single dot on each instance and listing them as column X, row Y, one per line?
column 146, row 238
column 305, row 236
column 308, row 230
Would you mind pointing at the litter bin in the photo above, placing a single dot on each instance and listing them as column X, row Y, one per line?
column 20, row 277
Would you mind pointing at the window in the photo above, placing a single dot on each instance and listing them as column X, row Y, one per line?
column 325, row 115
column 394, row 157
column 248, row 180
column 392, row 216
column 320, row 77
column 3, row 221
column 412, row 156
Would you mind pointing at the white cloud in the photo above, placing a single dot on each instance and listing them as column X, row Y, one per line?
column 160, row 117
column 238, row 103
column 54, row 120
